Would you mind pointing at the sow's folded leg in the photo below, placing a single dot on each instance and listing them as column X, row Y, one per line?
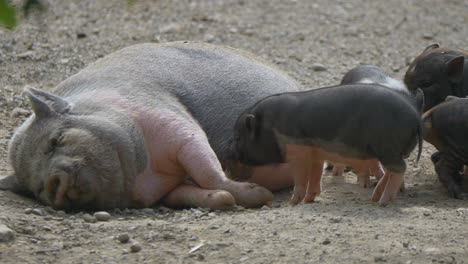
column 211, row 176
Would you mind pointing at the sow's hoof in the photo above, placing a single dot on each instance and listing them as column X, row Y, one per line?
column 218, row 200
column 248, row 194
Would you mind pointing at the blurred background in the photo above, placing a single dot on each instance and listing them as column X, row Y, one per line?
column 315, row 42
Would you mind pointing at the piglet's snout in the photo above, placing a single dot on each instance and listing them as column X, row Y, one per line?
column 62, row 181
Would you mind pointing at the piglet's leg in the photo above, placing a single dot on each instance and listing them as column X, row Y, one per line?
column 187, row 195
column 391, row 188
column 299, row 173
column 447, row 168
column 376, row 170
column 314, row 186
column 338, row 170
column 201, row 163
column 363, row 179
column 299, row 160
column 379, row 189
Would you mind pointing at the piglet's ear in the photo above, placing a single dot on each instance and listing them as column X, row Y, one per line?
column 419, row 99
column 44, row 104
column 250, row 123
column 455, row 68
column 431, row 47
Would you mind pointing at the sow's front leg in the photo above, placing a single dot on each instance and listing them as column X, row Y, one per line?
column 201, row 163
column 448, row 171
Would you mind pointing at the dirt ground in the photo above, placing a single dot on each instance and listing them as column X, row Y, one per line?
column 315, row 42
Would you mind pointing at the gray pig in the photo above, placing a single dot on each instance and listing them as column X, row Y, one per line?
column 148, row 123
column 357, row 125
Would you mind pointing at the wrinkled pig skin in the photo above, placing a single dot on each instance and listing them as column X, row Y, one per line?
column 149, row 123
column 438, row 72
column 358, row 125
column 446, row 127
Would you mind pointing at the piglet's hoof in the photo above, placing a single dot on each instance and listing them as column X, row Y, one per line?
column 364, row 180
column 461, row 195
column 248, row 194
column 295, row 200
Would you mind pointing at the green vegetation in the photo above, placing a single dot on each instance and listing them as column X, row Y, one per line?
column 7, row 14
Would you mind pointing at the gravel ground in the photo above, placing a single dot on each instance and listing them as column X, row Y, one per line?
column 316, row 42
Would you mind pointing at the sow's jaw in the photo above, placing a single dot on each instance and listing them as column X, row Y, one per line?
column 64, row 160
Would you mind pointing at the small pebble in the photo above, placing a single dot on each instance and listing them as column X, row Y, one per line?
column 8, row 47
column 432, row 250
column 318, row 67
column 209, row 38
column 6, row 234
column 26, row 54
column 37, row 212
column 17, row 112
column 28, row 211
column 336, row 220
column 123, row 238
column 135, row 247
column 214, row 227
column 462, row 211
column 81, row 35
column 148, row 210
column 326, row 241
column 61, row 213
column 102, row 216
column 276, row 204
column 380, row 259
column 323, row 39
column 278, row 60
column 89, row 218
column 171, row 28
column 428, row 36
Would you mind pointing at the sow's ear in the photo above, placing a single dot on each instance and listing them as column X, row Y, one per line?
column 419, row 100
column 250, row 123
column 10, row 183
column 431, row 47
column 455, row 68
column 44, row 104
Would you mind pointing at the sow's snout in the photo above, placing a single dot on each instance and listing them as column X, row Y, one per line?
column 68, row 183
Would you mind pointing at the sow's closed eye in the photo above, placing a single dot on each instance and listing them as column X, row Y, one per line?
column 54, row 142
